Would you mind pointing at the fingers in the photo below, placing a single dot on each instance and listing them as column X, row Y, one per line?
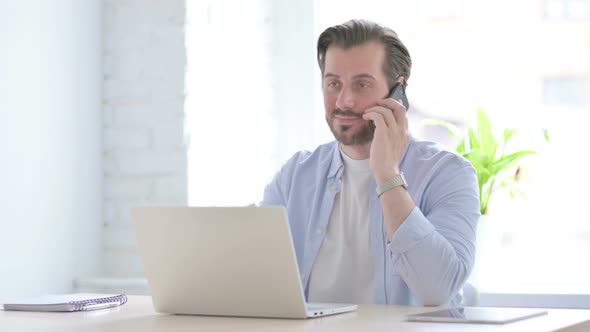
column 392, row 104
column 384, row 114
column 397, row 109
column 376, row 117
column 393, row 115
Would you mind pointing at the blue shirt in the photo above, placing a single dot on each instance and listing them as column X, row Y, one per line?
column 430, row 255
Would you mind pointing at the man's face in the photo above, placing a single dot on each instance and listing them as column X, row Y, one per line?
column 353, row 81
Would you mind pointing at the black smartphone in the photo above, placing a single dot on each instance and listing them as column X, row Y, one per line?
column 398, row 92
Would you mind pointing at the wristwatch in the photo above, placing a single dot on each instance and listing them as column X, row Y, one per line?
column 397, row 181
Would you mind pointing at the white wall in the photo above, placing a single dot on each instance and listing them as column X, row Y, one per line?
column 50, row 121
column 144, row 153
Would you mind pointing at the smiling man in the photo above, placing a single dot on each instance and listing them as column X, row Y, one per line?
column 376, row 216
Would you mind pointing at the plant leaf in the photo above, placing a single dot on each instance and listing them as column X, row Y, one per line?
column 473, row 143
column 461, row 147
column 546, row 135
column 477, row 157
column 508, row 133
column 486, row 138
column 504, row 162
column 483, row 174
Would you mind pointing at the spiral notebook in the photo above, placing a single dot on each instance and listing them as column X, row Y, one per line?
column 67, row 303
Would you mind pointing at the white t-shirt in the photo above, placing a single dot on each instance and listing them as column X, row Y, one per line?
column 343, row 270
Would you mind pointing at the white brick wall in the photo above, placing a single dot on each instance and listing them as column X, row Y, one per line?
column 145, row 155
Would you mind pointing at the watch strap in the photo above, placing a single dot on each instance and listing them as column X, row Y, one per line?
column 397, row 181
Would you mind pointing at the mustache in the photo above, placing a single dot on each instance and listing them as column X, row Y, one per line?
column 338, row 111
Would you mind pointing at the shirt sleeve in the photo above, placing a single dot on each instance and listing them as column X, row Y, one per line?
column 276, row 191
column 434, row 248
column 273, row 192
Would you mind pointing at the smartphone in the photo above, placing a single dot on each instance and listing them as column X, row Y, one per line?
column 398, row 92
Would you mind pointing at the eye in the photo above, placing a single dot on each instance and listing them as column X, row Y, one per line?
column 331, row 84
column 364, row 85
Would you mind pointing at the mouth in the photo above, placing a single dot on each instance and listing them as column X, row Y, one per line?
column 346, row 119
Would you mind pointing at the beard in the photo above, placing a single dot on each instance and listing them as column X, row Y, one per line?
column 347, row 135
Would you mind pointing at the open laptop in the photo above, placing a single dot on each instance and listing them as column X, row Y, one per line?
column 223, row 261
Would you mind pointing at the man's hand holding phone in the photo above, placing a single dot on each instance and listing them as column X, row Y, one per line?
column 390, row 138
column 398, row 92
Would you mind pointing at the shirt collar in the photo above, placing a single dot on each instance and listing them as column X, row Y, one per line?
column 336, row 164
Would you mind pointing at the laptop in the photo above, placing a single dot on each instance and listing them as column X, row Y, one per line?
column 223, row 261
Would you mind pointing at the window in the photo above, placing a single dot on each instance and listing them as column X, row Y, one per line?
column 566, row 9
column 565, row 92
column 450, row 9
column 249, row 97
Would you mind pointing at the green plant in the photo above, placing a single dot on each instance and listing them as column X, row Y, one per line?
column 487, row 152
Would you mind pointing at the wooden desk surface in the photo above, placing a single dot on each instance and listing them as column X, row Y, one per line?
column 138, row 315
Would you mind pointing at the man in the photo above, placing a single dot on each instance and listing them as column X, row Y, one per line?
column 376, row 216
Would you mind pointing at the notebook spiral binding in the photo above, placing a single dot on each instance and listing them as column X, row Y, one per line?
column 82, row 305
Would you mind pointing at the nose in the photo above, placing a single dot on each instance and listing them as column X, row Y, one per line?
column 345, row 100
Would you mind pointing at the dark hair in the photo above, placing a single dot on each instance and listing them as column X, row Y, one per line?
column 357, row 32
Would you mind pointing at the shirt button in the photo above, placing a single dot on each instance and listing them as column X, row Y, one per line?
column 302, row 276
column 333, row 188
column 318, row 231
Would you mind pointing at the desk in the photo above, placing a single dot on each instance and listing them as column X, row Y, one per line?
column 138, row 315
